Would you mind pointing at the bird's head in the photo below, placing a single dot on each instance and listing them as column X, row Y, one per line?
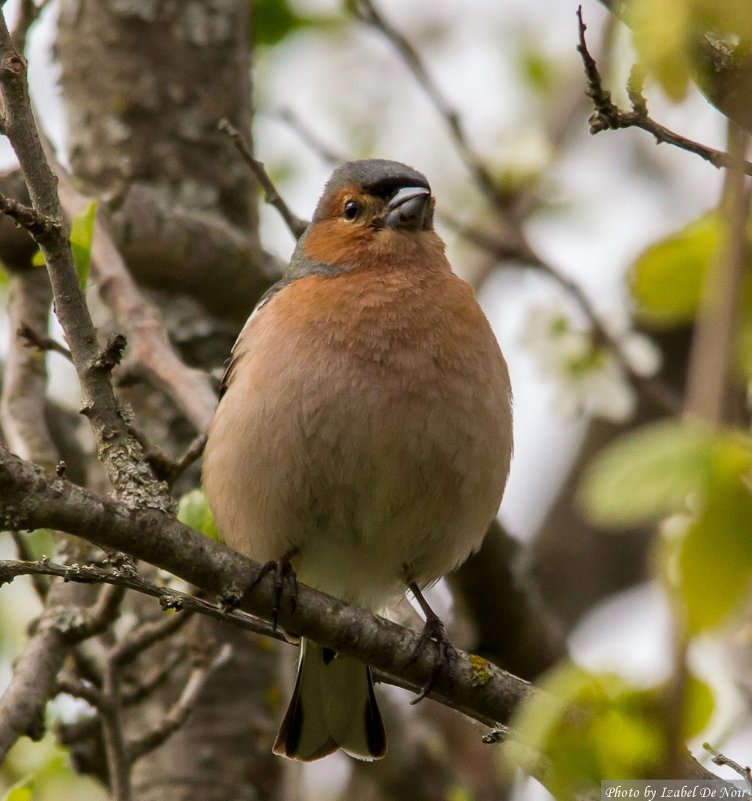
column 372, row 211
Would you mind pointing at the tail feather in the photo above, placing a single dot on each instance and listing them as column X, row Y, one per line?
column 333, row 707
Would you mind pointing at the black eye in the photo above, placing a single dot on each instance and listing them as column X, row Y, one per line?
column 352, row 209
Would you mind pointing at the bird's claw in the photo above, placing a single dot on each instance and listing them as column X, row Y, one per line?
column 434, row 631
column 284, row 573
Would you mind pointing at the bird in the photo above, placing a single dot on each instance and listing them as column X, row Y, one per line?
column 364, row 430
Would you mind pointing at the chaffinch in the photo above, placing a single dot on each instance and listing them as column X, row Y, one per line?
column 365, row 429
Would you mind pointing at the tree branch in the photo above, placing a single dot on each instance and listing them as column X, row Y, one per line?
column 720, row 759
column 38, row 225
column 186, row 252
column 723, row 72
column 169, row 599
column 29, row 498
column 608, row 116
column 368, row 13
column 24, row 390
column 150, row 351
column 34, row 680
column 120, row 453
column 294, row 223
column 113, row 735
column 33, row 339
column 512, row 244
column 177, row 715
column 712, row 365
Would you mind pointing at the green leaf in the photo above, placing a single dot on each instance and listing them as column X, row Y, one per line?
column 194, row 511
column 81, row 237
column 21, row 791
column 539, row 71
column 273, row 20
column 715, row 558
column 597, row 726
column 650, row 473
column 729, row 21
column 591, row 727
column 661, row 31
column 699, row 705
column 666, row 281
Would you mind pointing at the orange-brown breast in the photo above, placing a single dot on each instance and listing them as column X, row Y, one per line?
column 368, row 423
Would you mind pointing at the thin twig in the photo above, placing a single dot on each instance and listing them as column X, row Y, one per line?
column 720, row 759
column 147, row 634
column 518, row 249
column 325, row 153
column 515, row 244
column 168, row 597
column 367, row 12
column 72, row 685
column 296, row 225
column 39, row 226
column 188, row 457
column 134, row 693
column 40, row 584
column 169, row 470
column 28, row 14
column 106, row 608
column 112, row 353
column 42, row 342
column 608, row 116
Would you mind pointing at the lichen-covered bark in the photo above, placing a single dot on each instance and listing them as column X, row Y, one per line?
column 145, row 84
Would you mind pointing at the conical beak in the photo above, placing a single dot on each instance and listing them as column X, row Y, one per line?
column 408, row 208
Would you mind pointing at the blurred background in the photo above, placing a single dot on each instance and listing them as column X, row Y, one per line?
column 571, row 210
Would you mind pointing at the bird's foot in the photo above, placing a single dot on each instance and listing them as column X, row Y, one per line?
column 433, row 631
column 284, row 573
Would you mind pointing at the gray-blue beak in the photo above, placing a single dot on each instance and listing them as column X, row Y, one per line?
column 408, row 207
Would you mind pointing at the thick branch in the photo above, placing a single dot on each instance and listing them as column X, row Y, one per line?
column 187, row 252
column 33, row 682
column 29, row 497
